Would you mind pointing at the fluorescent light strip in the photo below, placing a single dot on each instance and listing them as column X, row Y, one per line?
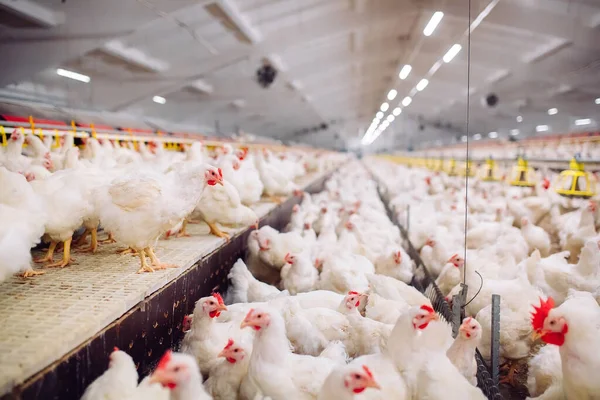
column 392, row 94
column 433, row 23
column 477, row 136
column 514, row 132
column 397, row 111
column 542, row 128
column 452, row 53
column 73, row 75
column 552, row 111
column 583, row 121
column 384, row 107
column 406, row 70
column 422, row 84
column 390, row 118
column 159, row 99
column 379, row 115
column 493, row 135
column 406, row 101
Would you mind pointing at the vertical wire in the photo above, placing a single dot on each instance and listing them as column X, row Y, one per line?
column 468, row 135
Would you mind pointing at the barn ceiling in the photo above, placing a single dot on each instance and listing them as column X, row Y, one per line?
column 336, row 60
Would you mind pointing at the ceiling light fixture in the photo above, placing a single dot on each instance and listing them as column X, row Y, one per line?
column 406, row 101
column 452, row 53
column 519, row 119
column 392, row 94
column 73, row 75
column 493, row 135
column 542, row 128
column 422, row 84
column 583, row 121
column 552, row 111
column 433, row 23
column 397, row 111
column 464, row 138
column 159, row 99
column 597, row 101
column 384, row 107
column 514, row 132
column 379, row 115
column 477, row 136
column 390, row 118
column 406, row 70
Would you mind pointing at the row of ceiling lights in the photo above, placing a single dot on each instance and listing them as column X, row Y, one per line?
column 377, row 126
column 538, row 128
column 86, row 79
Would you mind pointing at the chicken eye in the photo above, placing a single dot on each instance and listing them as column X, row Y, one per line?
column 552, row 322
column 259, row 316
column 211, row 302
column 176, row 369
column 473, row 327
column 236, row 350
column 357, row 376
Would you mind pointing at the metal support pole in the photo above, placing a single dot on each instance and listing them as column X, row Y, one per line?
column 407, row 220
column 495, row 337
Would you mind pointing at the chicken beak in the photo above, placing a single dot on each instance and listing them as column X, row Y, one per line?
column 245, row 323
column 372, row 384
column 535, row 335
column 221, row 307
column 223, row 353
column 435, row 317
column 159, row 376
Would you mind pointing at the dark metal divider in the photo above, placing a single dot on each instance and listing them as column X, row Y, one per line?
column 426, row 285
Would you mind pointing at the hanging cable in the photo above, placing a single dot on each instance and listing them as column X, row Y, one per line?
column 467, row 126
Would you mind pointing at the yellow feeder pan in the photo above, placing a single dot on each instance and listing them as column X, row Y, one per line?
column 489, row 171
column 575, row 182
column 451, row 168
column 467, row 169
column 522, row 174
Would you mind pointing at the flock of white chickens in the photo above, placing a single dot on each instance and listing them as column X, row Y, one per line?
column 136, row 194
column 324, row 310
column 320, row 311
column 526, row 245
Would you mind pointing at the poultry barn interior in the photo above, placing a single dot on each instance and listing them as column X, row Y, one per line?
column 300, row 199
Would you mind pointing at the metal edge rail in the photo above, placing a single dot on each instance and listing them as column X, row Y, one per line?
column 154, row 325
column 429, row 288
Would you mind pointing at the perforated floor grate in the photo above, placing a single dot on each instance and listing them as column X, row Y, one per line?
column 47, row 316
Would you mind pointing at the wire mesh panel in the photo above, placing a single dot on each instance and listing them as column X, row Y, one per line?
column 424, row 282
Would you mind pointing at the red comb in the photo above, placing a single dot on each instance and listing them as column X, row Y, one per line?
column 229, row 344
column 218, row 297
column 166, row 358
column 115, row 348
column 367, row 371
column 249, row 313
column 468, row 320
column 352, row 292
column 427, row 308
column 539, row 315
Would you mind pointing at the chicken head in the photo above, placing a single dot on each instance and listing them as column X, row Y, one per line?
column 213, row 176
column 173, row 369
column 213, row 305
column 256, row 319
column 360, row 378
column 232, row 352
column 456, row 260
column 470, row 329
column 550, row 328
column 423, row 315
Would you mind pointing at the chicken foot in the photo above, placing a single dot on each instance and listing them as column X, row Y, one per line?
column 145, row 267
column 156, row 262
column 108, row 240
column 127, row 251
column 513, row 370
column 183, row 232
column 49, row 257
column 276, row 199
column 30, row 272
column 93, row 247
column 214, row 230
column 66, row 260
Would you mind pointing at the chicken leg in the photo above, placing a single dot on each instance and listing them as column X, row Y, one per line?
column 183, row 232
column 127, row 251
column 276, row 199
column 145, row 267
column 93, row 247
column 81, row 239
column 108, row 240
column 49, row 257
column 156, row 262
column 66, row 260
column 513, row 370
column 214, row 230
